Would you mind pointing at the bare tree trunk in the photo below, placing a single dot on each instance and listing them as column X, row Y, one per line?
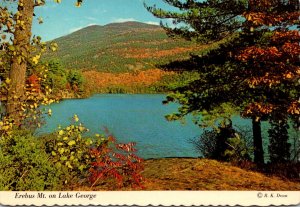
column 257, row 142
column 17, row 74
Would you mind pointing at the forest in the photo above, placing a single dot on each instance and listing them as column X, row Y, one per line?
column 220, row 59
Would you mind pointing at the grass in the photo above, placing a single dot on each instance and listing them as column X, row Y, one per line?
column 203, row 174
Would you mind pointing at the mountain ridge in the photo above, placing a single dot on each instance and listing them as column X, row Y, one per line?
column 126, row 25
column 119, row 47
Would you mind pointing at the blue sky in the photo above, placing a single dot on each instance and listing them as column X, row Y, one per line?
column 64, row 18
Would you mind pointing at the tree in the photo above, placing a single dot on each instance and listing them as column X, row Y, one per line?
column 20, row 53
column 57, row 76
column 275, row 64
column 16, row 27
column 279, row 148
column 255, row 68
column 202, row 20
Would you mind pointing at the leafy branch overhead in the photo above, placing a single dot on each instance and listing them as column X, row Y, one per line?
column 202, row 20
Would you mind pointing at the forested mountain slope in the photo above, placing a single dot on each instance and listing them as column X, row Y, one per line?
column 120, row 47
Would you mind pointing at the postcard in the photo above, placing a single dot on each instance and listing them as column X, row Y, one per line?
column 149, row 102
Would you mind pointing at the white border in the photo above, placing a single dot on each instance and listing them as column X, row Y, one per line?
column 155, row 198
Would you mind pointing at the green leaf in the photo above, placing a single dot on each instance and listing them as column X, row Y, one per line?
column 11, row 48
column 81, row 167
column 61, row 150
column 68, row 164
column 64, row 158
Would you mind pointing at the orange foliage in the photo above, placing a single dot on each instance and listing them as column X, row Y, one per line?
column 97, row 79
column 275, row 63
column 153, row 53
column 258, row 109
column 260, row 13
column 271, row 63
column 294, row 108
column 33, row 82
column 286, row 36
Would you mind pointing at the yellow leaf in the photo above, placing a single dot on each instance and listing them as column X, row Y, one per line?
column 7, row 80
column 72, row 142
column 36, row 59
column 61, row 150
column 40, row 20
column 81, row 128
column 77, row 4
column 76, row 119
column 61, row 132
column 69, row 164
column 49, row 111
column 54, row 46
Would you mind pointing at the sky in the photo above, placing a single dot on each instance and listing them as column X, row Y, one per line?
column 64, row 18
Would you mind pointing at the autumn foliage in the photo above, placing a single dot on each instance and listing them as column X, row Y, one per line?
column 273, row 64
column 34, row 82
column 117, row 163
column 99, row 81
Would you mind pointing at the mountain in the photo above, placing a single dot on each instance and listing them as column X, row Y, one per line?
column 119, row 47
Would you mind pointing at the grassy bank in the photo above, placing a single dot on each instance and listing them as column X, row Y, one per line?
column 203, row 174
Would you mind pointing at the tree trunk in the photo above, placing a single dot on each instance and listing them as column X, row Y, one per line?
column 17, row 74
column 257, row 142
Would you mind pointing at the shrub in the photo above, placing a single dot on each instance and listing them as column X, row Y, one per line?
column 279, row 148
column 287, row 170
column 224, row 143
column 70, row 152
column 97, row 158
column 24, row 164
column 118, row 163
column 237, row 150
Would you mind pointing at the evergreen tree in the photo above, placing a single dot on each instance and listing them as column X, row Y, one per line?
column 279, row 148
column 256, row 69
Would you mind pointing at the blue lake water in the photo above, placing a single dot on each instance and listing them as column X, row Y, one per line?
column 132, row 118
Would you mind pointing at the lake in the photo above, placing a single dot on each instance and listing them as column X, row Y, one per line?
column 132, row 118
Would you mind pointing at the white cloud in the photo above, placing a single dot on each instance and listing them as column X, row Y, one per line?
column 91, row 18
column 75, row 29
column 154, row 23
column 120, row 20
column 79, row 28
